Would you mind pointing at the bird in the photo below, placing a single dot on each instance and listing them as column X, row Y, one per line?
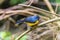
column 9, row 3
column 30, row 20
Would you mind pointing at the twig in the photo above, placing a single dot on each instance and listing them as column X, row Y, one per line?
column 45, row 33
column 39, row 9
column 20, row 36
column 21, row 12
column 52, row 20
column 56, row 8
column 31, row 1
column 49, row 6
column 26, row 13
column 11, row 19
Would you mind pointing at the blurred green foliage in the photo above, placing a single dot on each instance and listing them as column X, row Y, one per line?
column 14, row 2
column 57, row 1
column 7, row 36
column 4, row 34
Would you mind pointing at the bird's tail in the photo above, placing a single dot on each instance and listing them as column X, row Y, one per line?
column 19, row 22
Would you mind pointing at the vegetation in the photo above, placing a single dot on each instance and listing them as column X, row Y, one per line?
column 47, row 29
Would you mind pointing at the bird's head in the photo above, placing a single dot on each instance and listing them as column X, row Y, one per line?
column 36, row 17
column 33, row 18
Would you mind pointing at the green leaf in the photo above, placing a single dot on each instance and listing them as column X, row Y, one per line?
column 4, row 34
column 7, row 38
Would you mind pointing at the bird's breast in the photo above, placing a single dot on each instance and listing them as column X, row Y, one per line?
column 32, row 24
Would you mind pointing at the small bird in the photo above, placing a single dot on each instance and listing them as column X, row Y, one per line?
column 30, row 21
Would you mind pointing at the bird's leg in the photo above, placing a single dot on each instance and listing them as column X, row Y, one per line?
column 28, row 27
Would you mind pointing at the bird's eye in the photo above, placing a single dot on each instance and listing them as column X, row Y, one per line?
column 37, row 17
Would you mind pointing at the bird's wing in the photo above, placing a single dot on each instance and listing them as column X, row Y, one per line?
column 20, row 21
